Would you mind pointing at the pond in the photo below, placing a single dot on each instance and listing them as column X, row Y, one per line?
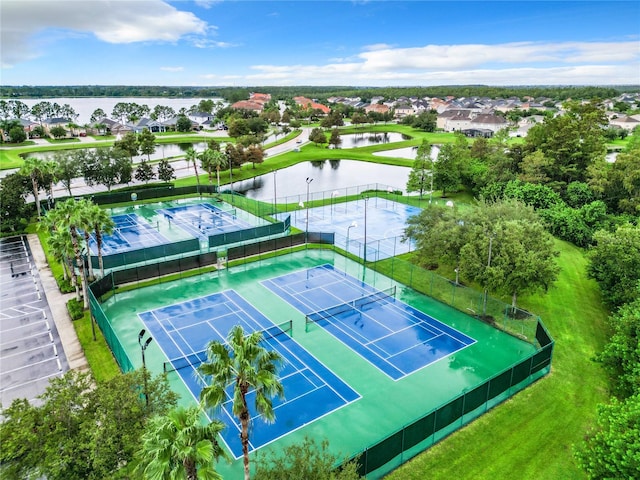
column 354, row 140
column 407, row 152
column 164, row 150
column 325, row 176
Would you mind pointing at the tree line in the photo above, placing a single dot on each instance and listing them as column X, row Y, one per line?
column 233, row 94
column 555, row 183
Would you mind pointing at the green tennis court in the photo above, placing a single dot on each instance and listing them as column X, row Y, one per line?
column 386, row 405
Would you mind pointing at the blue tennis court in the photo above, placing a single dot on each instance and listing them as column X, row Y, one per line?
column 182, row 331
column 130, row 232
column 203, row 220
column 383, row 221
column 395, row 337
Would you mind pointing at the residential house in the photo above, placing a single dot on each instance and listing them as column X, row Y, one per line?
column 403, row 109
column 625, row 122
column 305, row 103
column 489, row 121
column 453, row 119
column 378, row 108
column 249, row 105
column 203, row 119
column 152, row 125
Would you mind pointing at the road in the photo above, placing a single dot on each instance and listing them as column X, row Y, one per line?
column 181, row 168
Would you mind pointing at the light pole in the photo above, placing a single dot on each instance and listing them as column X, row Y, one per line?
column 275, row 191
column 353, row 224
column 306, row 229
column 366, row 201
column 484, row 302
column 334, row 194
column 143, row 347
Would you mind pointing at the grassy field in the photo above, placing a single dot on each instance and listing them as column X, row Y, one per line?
column 531, row 435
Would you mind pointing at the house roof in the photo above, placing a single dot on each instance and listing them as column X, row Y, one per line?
column 248, row 105
column 488, row 118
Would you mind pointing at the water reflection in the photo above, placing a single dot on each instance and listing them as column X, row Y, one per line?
column 355, row 140
column 163, row 150
column 328, row 175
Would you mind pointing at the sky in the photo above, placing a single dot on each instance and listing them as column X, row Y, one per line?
column 334, row 42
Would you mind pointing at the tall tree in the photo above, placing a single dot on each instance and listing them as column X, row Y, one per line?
column 147, row 143
column 178, row 445
column 242, row 364
column 82, row 428
column 335, row 139
column 420, row 176
column 621, row 355
column 129, row 143
column 615, row 264
column 165, row 171
column 101, row 224
column 14, row 210
column 451, row 164
column 34, row 168
column 97, row 115
column 317, row 136
column 191, row 156
column 144, row 172
column 612, row 449
column 508, row 250
column 574, row 141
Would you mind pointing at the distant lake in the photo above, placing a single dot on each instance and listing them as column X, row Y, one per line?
column 85, row 106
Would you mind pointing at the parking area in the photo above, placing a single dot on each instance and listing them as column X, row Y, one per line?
column 30, row 349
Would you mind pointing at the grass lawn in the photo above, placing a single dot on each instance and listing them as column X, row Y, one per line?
column 531, row 435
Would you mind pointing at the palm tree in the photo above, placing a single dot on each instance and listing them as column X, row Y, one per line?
column 65, row 217
column 218, row 160
column 205, row 161
column 60, row 246
column 191, row 156
column 243, row 363
column 102, row 224
column 178, row 445
column 34, row 169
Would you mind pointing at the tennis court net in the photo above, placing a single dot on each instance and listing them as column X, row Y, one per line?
column 194, row 360
column 379, row 297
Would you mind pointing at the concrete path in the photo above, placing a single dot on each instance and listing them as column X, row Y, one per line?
column 58, row 305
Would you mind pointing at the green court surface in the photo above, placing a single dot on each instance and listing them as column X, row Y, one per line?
column 386, row 405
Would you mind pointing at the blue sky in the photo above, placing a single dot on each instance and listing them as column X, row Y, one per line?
column 363, row 43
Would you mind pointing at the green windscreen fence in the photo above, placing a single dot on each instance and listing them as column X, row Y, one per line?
column 249, row 233
column 460, row 409
column 146, row 254
column 110, row 336
column 108, row 198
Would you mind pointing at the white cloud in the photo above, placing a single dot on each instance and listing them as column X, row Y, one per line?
column 523, row 63
column 172, row 69
column 117, row 21
column 377, row 46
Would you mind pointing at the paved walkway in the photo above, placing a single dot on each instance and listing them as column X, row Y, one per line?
column 58, row 305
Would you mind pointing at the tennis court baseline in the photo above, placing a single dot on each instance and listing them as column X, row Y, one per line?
column 130, row 232
column 395, row 337
column 203, row 220
column 182, row 331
